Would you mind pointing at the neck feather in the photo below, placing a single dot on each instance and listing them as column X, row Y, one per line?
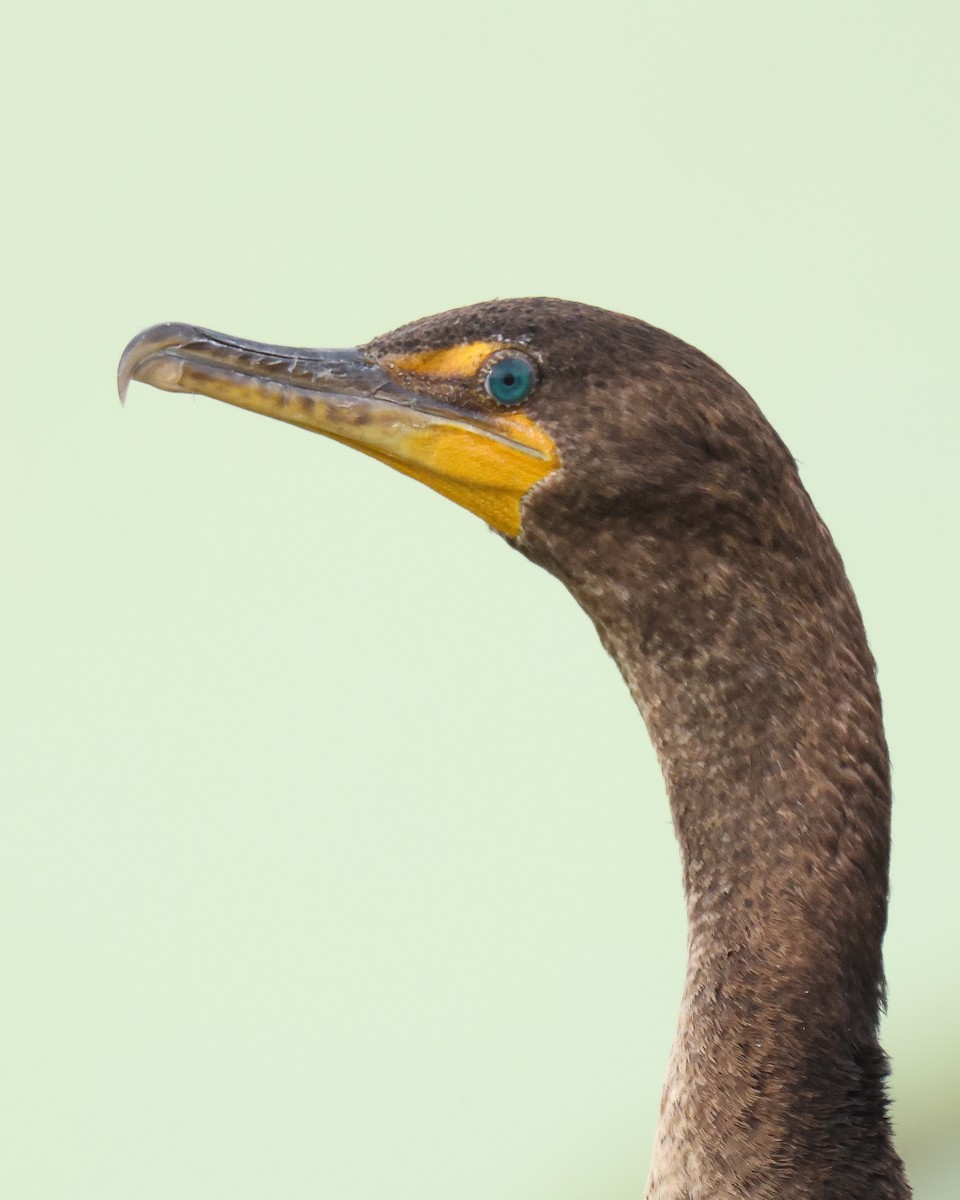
column 746, row 655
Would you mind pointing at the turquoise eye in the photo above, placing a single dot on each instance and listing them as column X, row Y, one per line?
column 510, row 379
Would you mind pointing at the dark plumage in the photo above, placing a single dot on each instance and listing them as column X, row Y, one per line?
column 676, row 517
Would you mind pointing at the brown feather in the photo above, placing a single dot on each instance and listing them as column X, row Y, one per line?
column 680, row 524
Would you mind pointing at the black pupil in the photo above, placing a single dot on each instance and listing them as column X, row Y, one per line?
column 509, row 379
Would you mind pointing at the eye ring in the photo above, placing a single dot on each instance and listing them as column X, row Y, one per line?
column 509, row 378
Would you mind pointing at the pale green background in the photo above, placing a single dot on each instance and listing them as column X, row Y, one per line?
column 334, row 859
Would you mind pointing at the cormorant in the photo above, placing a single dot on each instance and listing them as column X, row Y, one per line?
column 637, row 471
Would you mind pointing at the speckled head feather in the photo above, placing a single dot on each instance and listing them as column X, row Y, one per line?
column 641, row 419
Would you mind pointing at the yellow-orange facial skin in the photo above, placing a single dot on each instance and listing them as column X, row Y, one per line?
column 488, row 476
column 450, row 362
column 486, row 462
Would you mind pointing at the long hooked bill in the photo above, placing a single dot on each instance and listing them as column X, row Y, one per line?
column 483, row 461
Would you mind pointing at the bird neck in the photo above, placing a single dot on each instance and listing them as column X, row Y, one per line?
column 746, row 655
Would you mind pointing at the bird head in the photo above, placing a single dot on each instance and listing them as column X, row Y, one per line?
column 540, row 416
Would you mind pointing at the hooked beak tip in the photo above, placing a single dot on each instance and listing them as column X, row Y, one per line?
column 146, row 347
